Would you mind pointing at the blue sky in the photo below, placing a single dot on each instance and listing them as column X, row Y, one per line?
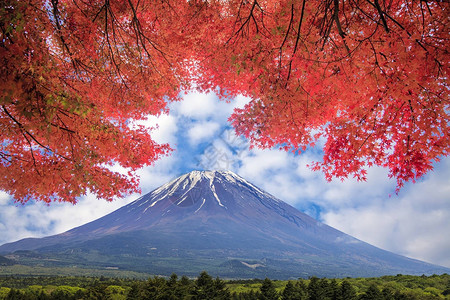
column 415, row 223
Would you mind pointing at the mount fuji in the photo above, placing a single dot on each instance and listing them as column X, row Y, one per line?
column 218, row 222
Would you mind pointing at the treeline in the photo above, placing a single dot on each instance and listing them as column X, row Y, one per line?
column 206, row 287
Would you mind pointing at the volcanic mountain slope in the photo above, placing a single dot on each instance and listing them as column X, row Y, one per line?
column 219, row 222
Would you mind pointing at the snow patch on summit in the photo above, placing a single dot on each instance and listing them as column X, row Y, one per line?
column 213, row 189
column 232, row 177
column 200, row 205
column 182, row 185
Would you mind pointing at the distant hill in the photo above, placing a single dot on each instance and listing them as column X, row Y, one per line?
column 5, row 261
column 218, row 222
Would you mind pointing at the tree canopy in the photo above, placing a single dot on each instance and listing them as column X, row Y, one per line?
column 369, row 76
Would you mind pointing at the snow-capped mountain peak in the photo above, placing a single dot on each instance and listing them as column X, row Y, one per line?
column 216, row 217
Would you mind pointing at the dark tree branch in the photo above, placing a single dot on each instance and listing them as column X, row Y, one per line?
column 338, row 24
column 381, row 13
column 299, row 26
column 26, row 132
column 287, row 33
column 73, row 60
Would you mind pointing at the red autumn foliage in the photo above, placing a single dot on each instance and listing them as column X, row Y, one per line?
column 371, row 77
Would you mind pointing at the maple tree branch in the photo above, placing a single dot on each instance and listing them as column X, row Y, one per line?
column 111, row 51
column 326, row 27
column 422, row 14
column 338, row 24
column 296, row 40
column 6, row 158
column 287, row 33
column 32, row 153
column 142, row 38
column 323, row 25
column 381, row 13
column 99, row 11
column 62, row 128
column 377, row 64
column 73, row 60
column 141, row 34
column 299, row 26
column 197, row 10
column 413, row 118
column 292, row 116
column 9, row 157
column 247, row 21
column 26, row 132
column 289, row 74
column 362, row 144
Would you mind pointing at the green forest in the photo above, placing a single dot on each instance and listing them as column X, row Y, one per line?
column 206, row 287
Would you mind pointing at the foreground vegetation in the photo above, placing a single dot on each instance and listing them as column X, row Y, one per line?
column 206, row 287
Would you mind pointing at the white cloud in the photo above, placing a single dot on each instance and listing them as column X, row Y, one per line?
column 38, row 219
column 160, row 173
column 202, row 131
column 273, row 171
column 398, row 226
column 202, row 106
column 416, row 223
column 196, row 105
column 257, row 162
column 240, row 101
column 163, row 128
column 4, row 198
column 216, row 156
